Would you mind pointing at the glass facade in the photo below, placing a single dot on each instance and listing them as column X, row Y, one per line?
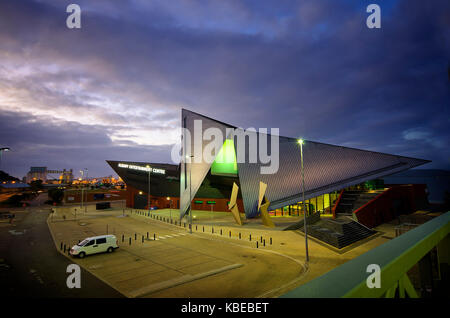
column 323, row 204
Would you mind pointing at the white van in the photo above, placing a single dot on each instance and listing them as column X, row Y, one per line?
column 93, row 245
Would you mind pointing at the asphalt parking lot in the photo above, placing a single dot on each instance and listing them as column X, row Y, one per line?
column 30, row 267
column 174, row 263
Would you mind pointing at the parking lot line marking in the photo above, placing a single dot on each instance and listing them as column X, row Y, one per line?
column 179, row 281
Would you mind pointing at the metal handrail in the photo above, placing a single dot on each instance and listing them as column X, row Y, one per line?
column 394, row 258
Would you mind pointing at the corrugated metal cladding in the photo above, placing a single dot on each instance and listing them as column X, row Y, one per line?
column 160, row 184
column 326, row 167
column 198, row 171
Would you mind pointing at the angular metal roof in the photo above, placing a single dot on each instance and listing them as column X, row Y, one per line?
column 193, row 174
column 327, row 168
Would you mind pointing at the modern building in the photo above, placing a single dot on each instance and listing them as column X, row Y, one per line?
column 207, row 185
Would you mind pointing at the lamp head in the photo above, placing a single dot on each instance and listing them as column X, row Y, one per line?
column 300, row 141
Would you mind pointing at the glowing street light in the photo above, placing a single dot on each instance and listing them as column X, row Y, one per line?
column 301, row 142
column 149, row 198
column 3, row 149
column 170, row 208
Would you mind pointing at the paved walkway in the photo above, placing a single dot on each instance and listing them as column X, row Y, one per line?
column 219, row 259
column 174, row 263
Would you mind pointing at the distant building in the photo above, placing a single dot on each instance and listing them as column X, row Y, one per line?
column 37, row 173
column 41, row 173
column 13, row 186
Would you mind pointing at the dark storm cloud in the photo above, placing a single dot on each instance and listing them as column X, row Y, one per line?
column 64, row 145
column 311, row 68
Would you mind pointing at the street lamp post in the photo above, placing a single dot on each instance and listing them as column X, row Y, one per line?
column 82, row 195
column 3, row 149
column 190, row 195
column 301, row 141
column 148, row 198
column 87, row 189
column 170, row 208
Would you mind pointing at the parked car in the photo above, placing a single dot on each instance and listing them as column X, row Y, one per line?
column 94, row 245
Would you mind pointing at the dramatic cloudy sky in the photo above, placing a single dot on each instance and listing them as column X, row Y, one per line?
column 114, row 88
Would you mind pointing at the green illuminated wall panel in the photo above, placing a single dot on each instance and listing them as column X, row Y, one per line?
column 225, row 163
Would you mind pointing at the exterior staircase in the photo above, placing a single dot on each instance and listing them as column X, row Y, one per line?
column 353, row 200
column 339, row 232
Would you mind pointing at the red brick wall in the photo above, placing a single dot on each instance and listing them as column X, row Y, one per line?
column 162, row 202
column 114, row 195
column 399, row 199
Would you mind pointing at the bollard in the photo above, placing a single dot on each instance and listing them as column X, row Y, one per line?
column 184, row 224
column 154, row 237
column 239, row 235
column 256, row 244
column 123, row 237
column 230, row 233
column 203, row 228
column 129, row 241
column 212, row 231
column 220, row 231
column 264, row 242
column 135, row 236
column 196, row 227
column 250, row 237
column 61, row 246
column 147, row 235
column 142, row 238
column 270, row 241
column 64, row 248
column 261, row 239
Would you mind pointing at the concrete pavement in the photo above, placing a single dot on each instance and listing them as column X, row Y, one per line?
column 178, row 264
column 31, row 267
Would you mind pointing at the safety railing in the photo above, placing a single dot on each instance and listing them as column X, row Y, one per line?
column 393, row 258
column 333, row 210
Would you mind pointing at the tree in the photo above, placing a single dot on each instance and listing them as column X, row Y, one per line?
column 56, row 195
column 36, row 185
column 6, row 177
